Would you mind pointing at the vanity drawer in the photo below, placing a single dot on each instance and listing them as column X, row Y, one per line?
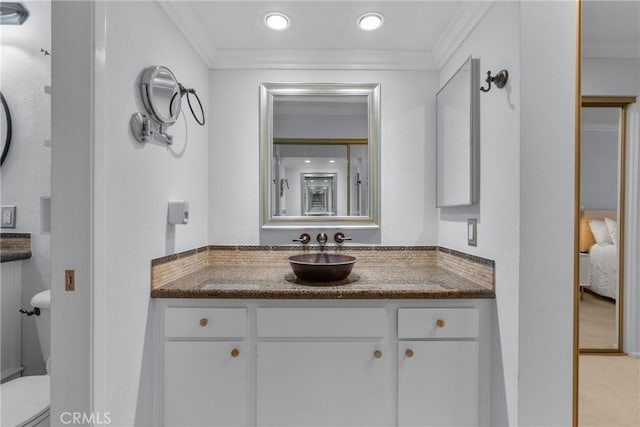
column 203, row 322
column 438, row 323
column 322, row 322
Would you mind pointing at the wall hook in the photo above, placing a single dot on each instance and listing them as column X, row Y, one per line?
column 499, row 79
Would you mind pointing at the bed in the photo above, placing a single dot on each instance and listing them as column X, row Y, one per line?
column 603, row 253
column 603, row 270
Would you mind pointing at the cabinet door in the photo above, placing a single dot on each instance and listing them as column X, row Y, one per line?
column 204, row 384
column 322, row 384
column 438, row 383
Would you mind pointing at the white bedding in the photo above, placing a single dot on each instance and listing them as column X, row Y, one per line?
column 604, row 270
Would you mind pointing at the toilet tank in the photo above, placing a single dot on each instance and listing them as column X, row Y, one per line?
column 42, row 300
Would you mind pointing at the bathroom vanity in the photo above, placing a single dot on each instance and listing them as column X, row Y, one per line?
column 236, row 344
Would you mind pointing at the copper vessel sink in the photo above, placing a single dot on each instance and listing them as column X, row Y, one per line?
column 322, row 267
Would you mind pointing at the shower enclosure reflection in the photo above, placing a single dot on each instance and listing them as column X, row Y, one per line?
column 322, row 177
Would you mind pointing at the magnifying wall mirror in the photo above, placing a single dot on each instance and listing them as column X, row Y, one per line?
column 161, row 94
column 5, row 128
column 319, row 150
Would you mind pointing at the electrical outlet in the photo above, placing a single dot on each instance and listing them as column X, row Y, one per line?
column 8, row 217
column 472, row 232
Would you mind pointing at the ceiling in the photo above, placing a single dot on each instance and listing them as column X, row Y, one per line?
column 418, row 35
column 323, row 34
column 611, row 29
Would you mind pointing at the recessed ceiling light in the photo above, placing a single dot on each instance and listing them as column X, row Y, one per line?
column 332, row 161
column 277, row 21
column 370, row 21
column 307, row 161
column 13, row 13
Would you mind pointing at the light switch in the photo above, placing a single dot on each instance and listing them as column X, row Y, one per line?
column 472, row 232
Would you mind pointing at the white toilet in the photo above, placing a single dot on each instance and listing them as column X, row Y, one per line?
column 25, row 400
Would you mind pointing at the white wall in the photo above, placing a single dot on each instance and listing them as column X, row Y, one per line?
column 139, row 181
column 26, row 173
column 495, row 41
column 407, row 147
column 547, row 144
column 610, row 76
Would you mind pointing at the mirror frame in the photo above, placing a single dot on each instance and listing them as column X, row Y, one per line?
column 146, row 86
column 267, row 93
column 620, row 103
column 6, row 144
column 473, row 101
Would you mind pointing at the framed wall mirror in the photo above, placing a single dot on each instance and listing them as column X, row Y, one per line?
column 602, row 223
column 458, row 138
column 607, row 190
column 319, row 155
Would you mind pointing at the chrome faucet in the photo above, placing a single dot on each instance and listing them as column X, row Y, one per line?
column 322, row 238
column 339, row 237
column 304, row 239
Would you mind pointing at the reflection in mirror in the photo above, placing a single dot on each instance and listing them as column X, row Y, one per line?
column 318, row 194
column 319, row 151
column 600, row 177
column 606, row 288
column 344, row 160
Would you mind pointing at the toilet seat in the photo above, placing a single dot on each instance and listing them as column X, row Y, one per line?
column 25, row 401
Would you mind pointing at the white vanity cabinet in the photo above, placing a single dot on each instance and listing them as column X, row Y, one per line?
column 314, row 362
column 205, row 367
column 322, row 366
column 438, row 367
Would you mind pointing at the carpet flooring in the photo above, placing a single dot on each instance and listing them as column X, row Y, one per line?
column 609, row 391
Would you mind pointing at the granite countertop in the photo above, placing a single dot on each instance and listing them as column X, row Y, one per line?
column 15, row 246
column 7, row 255
column 374, row 282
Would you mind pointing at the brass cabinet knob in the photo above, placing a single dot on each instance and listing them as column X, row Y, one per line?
column 440, row 323
column 409, row 353
column 235, row 352
column 204, row 322
column 377, row 354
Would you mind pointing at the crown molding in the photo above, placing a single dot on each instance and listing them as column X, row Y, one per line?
column 610, row 50
column 191, row 28
column 461, row 26
column 319, row 59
